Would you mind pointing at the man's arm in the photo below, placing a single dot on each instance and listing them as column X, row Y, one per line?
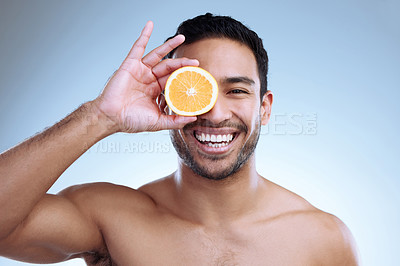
column 32, row 223
column 28, row 170
column 55, row 227
column 334, row 244
column 344, row 244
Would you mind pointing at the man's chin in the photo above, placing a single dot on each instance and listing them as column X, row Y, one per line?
column 213, row 170
column 214, row 159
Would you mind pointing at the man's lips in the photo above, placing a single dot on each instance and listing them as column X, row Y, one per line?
column 223, row 127
column 213, row 140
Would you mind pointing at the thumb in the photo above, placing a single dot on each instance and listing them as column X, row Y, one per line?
column 175, row 121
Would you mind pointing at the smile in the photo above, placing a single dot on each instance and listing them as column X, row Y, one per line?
column 214, row 140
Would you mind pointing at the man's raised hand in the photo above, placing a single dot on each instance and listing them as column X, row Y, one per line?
column 129, row 99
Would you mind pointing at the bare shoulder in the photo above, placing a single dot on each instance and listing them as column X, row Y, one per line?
column 103, row 196
column 99, row 190
column 326, row 237
column 330, row 239
column 73, row 223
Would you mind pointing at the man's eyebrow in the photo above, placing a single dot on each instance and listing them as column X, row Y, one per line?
column 238, row 79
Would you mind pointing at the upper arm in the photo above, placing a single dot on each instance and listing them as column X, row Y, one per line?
column 58, row 228
column 336, row 245
column 346, row 244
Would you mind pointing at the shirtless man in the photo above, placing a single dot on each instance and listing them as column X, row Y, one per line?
column 214, row 210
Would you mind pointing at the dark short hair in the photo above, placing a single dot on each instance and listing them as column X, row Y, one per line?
column 211, row 26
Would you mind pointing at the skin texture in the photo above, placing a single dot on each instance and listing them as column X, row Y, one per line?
column 208, row 212
column 237, row 111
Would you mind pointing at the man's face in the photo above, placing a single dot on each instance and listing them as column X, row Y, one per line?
column 223, row 139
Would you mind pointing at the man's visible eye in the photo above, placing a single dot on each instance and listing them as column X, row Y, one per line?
column 236, row 91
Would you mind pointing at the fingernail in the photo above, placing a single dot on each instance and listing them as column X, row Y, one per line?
column 180, row 36
column 189, row 119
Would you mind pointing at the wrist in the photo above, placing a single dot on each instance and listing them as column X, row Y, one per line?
column 98, row 120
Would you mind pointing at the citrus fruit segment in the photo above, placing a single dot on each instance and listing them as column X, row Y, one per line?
column 191, row 91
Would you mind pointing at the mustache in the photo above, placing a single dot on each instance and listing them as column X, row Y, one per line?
column 207, row 123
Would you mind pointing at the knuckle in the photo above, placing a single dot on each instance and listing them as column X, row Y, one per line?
column 167, row 61
column 169, row 67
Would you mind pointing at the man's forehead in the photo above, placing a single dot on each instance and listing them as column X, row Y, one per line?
column 223, row 58
column 210, row 44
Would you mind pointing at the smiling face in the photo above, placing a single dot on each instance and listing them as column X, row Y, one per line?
column 222, row 140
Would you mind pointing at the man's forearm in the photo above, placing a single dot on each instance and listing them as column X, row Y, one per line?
column 29, row 169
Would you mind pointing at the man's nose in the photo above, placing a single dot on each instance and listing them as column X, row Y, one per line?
column 219, row 112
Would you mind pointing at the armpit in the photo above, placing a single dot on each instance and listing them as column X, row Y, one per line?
column 98, row 259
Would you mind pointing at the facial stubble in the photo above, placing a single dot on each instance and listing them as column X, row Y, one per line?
column 186, row 156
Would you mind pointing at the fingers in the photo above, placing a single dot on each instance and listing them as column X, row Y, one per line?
column 155, row 56
column 138, row 48
column 175, row 121
column 166, row 67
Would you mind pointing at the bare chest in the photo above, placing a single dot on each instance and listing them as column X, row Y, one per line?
column 173, row 243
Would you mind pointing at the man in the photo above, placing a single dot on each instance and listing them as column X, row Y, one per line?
column 214, row 210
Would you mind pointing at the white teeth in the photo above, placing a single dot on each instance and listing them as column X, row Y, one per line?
column 214, row 140
column 216, row 145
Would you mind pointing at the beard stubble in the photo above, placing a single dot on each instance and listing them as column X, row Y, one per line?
column 208, row 172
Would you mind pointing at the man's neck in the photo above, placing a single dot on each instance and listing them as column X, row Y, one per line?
column 214, row 202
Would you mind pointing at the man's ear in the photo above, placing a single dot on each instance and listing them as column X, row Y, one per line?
column 266, row 105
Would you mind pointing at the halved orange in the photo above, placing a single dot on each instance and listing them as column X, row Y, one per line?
column 191, row 91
